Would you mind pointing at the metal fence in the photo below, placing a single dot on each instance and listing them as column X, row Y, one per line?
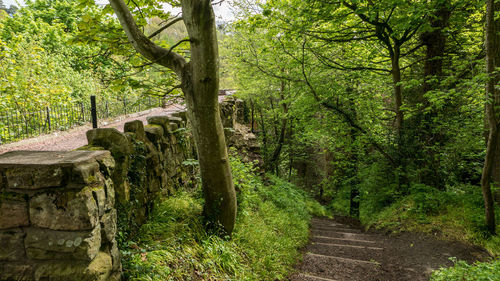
column 19, row 125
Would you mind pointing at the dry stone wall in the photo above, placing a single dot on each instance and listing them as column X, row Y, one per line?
column 57, row 216
column 60, row 211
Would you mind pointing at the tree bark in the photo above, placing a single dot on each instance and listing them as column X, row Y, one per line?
column 398, row 93
column 200, row 84
column 435, row 42
column 495, row 63
column 273, row 162
column 492, row 101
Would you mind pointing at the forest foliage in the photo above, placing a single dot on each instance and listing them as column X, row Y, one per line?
column 61, row 52
column 376, row 108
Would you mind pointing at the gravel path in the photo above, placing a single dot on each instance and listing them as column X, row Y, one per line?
column 340, row 251
column 75, row 137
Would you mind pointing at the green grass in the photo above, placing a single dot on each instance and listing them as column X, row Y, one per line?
column 272, row 225
column 454, row 214
column 480, row 271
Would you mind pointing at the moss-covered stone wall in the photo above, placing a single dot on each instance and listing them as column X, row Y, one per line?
column 60, row 212
column 57, row 216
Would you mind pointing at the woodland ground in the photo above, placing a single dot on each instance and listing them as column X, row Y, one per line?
column 340, row 250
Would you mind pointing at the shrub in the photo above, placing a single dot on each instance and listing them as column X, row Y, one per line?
column 479, row 271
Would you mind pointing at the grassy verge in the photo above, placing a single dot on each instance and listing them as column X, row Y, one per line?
column 481, row 271
column 454, row 214
column 272, row 225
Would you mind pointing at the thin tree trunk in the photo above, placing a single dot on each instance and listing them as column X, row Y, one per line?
column 495, row 63
column 398, row 93
column 485, row 180
column 273, row 162
column 492, row 46
column 253, row 115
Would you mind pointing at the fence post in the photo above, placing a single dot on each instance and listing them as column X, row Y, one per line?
column 83, row 111
column 93, row 110
column 107, row 109
column 125, row 104
column 48, row 119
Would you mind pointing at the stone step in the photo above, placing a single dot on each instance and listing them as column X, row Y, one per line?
column 348, row 241
column 348, row 246
column 341, row 234
column 308, row 276
column 331, row 228
column 346, row 252
column 335, row 268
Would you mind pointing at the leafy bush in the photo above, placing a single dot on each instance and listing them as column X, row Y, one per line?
column 480, row 271
column 272, row 224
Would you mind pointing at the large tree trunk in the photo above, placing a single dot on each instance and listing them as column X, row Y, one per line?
column 493, row 100
column 426, row 150
column 200, row 84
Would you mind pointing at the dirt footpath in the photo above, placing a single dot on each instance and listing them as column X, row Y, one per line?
column 339, row 251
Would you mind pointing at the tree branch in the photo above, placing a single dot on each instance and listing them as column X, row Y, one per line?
column 164, row 27
column 346, row 116
column 143, row 44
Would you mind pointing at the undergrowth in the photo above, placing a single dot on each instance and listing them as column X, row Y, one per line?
column 456, row 213
column 272, row 225
column 480, row 271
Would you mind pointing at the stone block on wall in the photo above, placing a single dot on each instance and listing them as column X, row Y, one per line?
column 13, row 210
column 33, row 170
column 12, row 245
column 120, row 148
column 16, row 271
column 98, row 270
column 181, row 114
column 42, row 244
column 154, row 133
column 64, row 210
column 163, row 121
column 177, row 120
column 34, row 178
column 136, row 127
